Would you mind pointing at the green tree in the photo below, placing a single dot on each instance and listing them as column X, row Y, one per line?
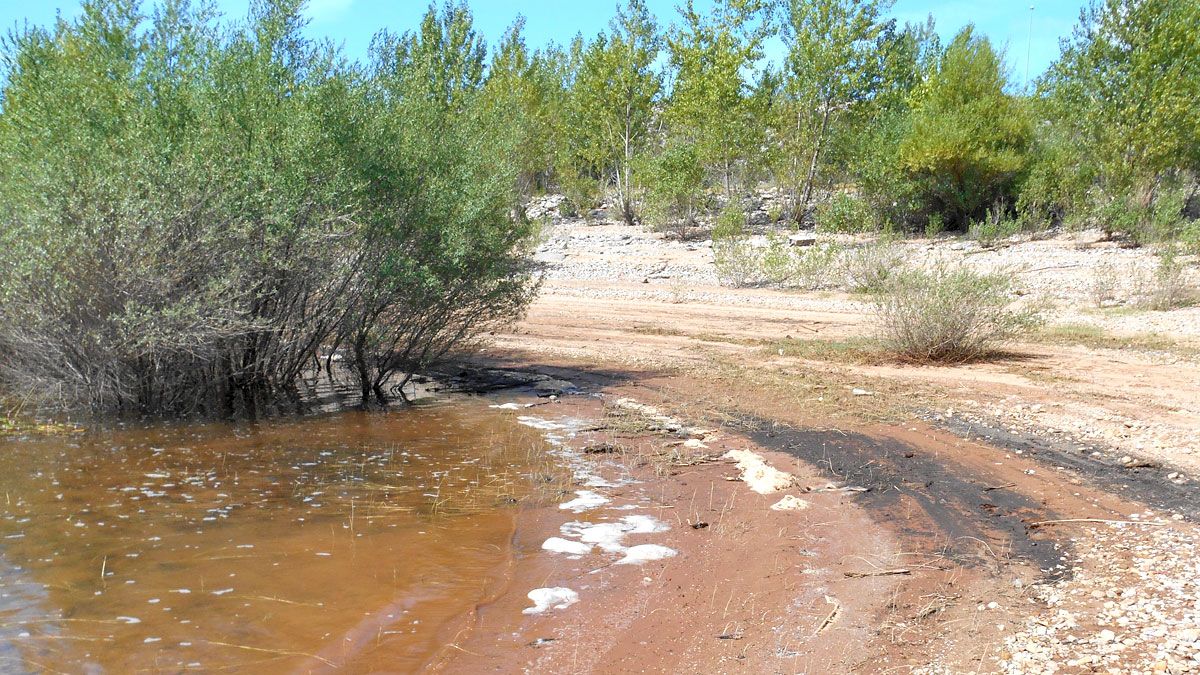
column 832, row 63
column 1125, row 96
column 193, row 211
column 527, row 91
column 967, row 141
column 711, row 106
column 613, row 95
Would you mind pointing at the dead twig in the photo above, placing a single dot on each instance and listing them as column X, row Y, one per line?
column 837, row 610
column 1103, row 521
column 880, row 573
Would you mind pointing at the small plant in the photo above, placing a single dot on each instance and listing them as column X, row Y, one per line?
column 1104, row 284
column 1168, row 287
column 868, row 268
column 731, row 223
column 737, row 262
column 995, row 227
column 845, row 213
column 948, row 314
column 935, row 225
column 775, row 213
column 675, row 182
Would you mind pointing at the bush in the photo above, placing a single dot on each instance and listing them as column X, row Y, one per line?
column 193, row 212
column 1168, row 287
column 845, row 213
column 737, row 262
column 741, row 263
column 935, row 225
column 947, row 315
column 675, row 181
column 998, row 225
column 869, row 268
column 967, row 143
column 731, row 223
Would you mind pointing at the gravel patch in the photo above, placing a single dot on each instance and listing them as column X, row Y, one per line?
column 1131, row 606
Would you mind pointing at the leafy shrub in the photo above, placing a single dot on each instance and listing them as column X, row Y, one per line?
column 845, row 213
column 675, row 181
column 741, row 262
column 731, row 223
column 581, row 194
column 996, row 226
column 1168, row 287
column 947, row 314
column 737, row 262
column 868, row 268
column 193, row 212
column 935, row 225
column 967, row 143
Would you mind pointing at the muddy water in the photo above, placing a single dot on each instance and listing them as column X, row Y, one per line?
column 354, row 541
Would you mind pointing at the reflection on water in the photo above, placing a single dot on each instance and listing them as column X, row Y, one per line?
column 291, row 546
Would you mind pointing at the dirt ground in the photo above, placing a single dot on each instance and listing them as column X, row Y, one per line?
column 1020, row 515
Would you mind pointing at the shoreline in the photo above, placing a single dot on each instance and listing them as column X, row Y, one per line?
column 846, row 574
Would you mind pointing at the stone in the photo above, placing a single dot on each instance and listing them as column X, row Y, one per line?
column 802, row 239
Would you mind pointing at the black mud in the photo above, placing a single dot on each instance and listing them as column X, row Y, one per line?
column 1146, row 484
column 966, row 520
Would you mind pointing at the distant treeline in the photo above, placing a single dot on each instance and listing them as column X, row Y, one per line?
column 911, row 133
column 195, row 214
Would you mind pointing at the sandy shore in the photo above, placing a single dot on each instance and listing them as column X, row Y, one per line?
column 1012, row 516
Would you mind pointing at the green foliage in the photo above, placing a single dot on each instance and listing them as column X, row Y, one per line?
column 527, row 91
column 611, row 103
column 1128, row 87
column 674, row 187
column 731, row 223
column 711, row 107
column 845, row 213
column 193, row 212
column 948, row 314
column 1121, row 108
column 935, row 225
column 967, row 142
column 834, row 62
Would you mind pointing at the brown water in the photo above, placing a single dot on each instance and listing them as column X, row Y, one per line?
column 351, row 542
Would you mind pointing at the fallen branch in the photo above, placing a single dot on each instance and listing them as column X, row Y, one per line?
column 1042, row 523
column 999, row 487
column 880, row 573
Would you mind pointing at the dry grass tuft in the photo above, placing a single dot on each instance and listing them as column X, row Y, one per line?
column 948, row 315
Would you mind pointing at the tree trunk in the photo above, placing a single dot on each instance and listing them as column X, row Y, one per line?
column 818, row 144
column 364, row 375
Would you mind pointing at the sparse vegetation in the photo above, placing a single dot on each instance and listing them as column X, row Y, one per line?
column 1168, row 286
column 948, row 315
column 869, row 267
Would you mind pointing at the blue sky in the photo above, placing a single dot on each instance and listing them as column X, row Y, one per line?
column 353, row 22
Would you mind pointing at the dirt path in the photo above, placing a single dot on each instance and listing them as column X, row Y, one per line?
column 956, row 517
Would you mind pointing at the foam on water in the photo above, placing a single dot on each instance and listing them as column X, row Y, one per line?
column 550, row 598
column 584, row 501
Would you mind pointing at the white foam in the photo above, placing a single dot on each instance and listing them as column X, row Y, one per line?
column 760, row 476
column 608, row 536
column 509, row 406
column 643, row 553
column 560, row 545
column 790, row 503
column 585, row 500
column 542, row 424
column 550, row 598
